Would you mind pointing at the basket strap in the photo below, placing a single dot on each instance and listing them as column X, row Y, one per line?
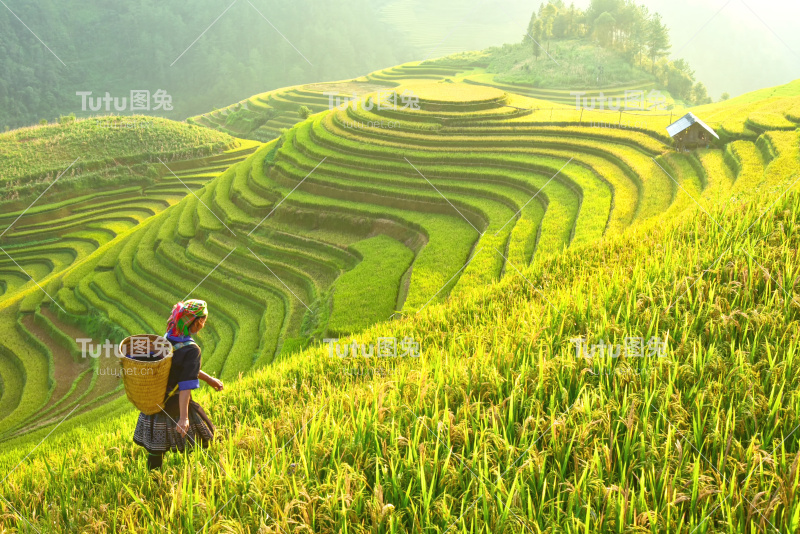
column 171, row 393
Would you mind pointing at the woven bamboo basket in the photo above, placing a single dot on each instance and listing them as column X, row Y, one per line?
column 145, row 381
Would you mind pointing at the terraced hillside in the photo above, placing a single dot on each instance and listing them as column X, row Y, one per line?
column 357, row 214
column 562, row 96
column 101, row 178
column 498, row 427
column 46, row 237
column 40, row 361
column 95, row 154
column 264, row 116
column 750, row 115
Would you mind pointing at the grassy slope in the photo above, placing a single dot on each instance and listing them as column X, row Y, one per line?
column 656, row 443
column 571, row 64
column 512, row 67
column 357, row 304
column 111, row 288
column 731, row 119
column 35, row 156
column 711, row 332
column 65, row 227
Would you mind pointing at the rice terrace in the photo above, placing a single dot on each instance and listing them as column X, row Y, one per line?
column 392, row 266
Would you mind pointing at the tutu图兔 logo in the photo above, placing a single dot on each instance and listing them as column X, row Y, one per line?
column 632, row 100
column 387, row 348
column 633, row 347
column 139, row 345
column 384, row 100
column 139, row 100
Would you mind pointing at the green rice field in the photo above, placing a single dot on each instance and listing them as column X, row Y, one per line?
column 496, row 226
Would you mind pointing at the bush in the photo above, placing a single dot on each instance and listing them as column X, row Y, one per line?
column 304, row 112
column 67, row 119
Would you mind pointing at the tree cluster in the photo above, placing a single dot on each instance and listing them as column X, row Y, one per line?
column 625, row 27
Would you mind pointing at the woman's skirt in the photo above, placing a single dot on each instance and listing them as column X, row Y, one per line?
column 157, row 432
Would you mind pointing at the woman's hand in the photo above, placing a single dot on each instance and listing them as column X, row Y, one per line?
column 216, row 383
column 183, row 426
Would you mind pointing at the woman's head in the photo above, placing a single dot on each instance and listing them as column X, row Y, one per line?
column 187, row 318
column 197, row 324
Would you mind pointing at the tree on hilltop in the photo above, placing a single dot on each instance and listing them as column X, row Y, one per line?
column 604, row 29
column 657, row 39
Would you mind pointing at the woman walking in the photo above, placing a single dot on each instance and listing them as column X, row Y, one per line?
column 181, row 423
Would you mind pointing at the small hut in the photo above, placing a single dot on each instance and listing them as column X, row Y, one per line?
column 690, row 132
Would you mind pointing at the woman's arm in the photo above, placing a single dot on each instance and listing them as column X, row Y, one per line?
column 210, row 380
column 183, row 400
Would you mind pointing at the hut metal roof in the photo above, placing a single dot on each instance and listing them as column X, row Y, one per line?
column 686, row 121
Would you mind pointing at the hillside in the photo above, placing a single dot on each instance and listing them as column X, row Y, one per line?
column 102, row 177
column 498, row 427
column 338, row 225
column 230, row 50
column 265, row 116
column 101, row 153
column 496, row 221
column 573, row 62
column 563, row 64
column 97, row 180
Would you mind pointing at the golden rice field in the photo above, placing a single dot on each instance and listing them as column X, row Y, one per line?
column 492, row 227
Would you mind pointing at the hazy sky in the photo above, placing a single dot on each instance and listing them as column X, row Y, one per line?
column 730, row 47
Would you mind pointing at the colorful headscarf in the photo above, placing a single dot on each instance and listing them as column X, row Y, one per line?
column 183, row 313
